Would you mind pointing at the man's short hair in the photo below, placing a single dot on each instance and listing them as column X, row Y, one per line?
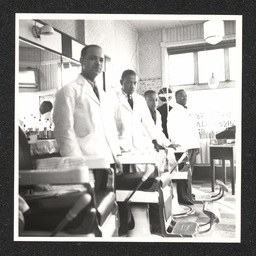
column 84, row 50
column 178, row 92
column 45, row 107
column 128, row 72
column 48, row 104
column 149, row 92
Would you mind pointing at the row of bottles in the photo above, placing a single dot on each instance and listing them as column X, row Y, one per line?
column 42, row 127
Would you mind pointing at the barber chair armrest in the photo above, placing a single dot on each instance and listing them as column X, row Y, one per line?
column 105, row 205
column 79, row 175
column 165, row 179
column 71, row 162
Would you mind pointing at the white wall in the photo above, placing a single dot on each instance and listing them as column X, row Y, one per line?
column 119, row 42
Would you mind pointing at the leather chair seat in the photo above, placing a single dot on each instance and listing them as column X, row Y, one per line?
column 46, row 213
column 129, row 181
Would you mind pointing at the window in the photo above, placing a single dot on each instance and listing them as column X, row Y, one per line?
column 232, row 63
column 194, row 64
column 28, row 78
column 211, row 62
column 180, row 64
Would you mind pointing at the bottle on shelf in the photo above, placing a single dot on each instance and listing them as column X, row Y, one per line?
column 36, row 126
column 45, row 132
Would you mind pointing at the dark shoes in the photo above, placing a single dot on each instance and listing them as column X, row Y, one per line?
column 186, row 201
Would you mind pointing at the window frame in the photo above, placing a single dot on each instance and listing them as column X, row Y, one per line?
column 169, row 48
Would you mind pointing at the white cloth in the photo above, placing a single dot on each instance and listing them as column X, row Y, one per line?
column 84, row 126
column 133, row 124
column 182, row 128
column 161, row 139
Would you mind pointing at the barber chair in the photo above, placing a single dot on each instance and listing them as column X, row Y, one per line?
column 183, row 173
column 146, row 193
column 153, row 190
column 180, row 174
column 197, row 196
column 67, row 196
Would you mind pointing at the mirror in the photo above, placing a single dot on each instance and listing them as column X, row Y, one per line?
column 40, row 65
column 41, row 74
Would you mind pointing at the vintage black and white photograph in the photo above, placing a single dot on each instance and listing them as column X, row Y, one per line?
column 128, row 127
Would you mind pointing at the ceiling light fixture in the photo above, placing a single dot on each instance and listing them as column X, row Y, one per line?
column 213, row 31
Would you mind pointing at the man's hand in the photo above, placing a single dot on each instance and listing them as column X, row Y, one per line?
column 157, row 146
column 118, row 165
column 174, row 146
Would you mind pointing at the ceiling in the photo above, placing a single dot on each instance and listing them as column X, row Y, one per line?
column 146, row 25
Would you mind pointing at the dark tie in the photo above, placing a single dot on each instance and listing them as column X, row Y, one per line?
column 95, row 89
column 130, row 100
column 153, row 114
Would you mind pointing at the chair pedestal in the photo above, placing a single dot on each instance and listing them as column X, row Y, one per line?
column 140, row 214
column 177, row 209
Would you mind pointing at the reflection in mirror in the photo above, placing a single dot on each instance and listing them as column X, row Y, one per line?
column 45, row 64
column 39, row 78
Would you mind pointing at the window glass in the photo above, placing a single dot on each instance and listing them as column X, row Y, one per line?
column 232, row 63
column 181, row 69
column 27, row 77
column 209, row 62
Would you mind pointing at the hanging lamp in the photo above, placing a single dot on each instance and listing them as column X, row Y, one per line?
column 213, row 31
column 213, row 82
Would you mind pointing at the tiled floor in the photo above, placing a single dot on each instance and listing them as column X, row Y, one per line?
column 226, row 228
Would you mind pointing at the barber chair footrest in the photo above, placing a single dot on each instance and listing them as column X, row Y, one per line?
column 185, row 228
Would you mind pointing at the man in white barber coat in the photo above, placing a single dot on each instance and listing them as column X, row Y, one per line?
column 151, row 98
column 133, row 120
column 182, row 129
column 133, row 117
column 84, row 121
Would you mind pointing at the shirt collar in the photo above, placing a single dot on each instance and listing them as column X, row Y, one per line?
column 125, row 94
column 177, row 105
column 92, row 83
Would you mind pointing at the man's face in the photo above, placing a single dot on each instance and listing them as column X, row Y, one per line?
column 92, row 62
column 182, row 98
column 129, row 83
column 152, row 101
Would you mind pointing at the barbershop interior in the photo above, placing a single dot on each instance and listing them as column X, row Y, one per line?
column 83, row 170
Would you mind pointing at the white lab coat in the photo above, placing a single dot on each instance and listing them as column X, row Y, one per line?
column 132, row 124
column 182, row 128
column 85, row 126
column 161, row 139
